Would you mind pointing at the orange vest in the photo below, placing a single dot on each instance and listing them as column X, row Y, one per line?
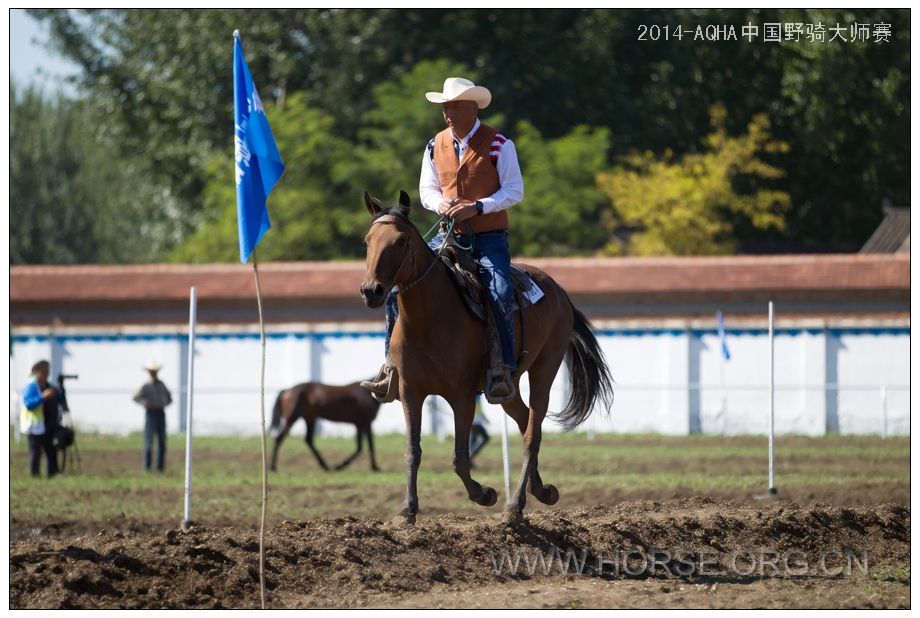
column 472, row 178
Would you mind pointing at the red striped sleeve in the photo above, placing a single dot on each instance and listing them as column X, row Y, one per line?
column 496, row 146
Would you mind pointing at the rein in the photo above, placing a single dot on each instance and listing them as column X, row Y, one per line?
column 394, row 220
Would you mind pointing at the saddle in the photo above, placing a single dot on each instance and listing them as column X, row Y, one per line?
column 463, row 269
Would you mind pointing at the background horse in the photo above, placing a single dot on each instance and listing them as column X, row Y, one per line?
column 341, row 404
column 439, row 348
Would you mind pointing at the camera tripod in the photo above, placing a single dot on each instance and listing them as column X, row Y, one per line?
column 67, row 435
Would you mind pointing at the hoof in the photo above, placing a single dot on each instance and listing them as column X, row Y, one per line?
column 405, row 518
column 549, row 495
column 488, row 497
column 513, row 515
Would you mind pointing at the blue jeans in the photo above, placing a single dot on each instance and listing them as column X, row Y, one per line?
column 491, row 249
column 155, row 425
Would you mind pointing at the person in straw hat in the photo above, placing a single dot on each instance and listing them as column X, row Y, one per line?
column 154, row 396
column 470, row 173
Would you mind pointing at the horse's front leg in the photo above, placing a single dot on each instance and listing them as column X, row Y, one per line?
column 464, row 409
column 412, row 402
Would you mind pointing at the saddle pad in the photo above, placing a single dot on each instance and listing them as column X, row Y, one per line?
column 530, row 291
column 471, row 290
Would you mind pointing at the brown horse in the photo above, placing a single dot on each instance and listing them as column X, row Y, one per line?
column 438, row 348
column 341, row 404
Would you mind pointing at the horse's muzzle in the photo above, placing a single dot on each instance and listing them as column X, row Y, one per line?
column 373, row 294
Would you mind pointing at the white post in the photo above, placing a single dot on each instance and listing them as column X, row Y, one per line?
column 884, row 412
column 505, row 455
column 192, row 319
column 438, row 424
column 772, row 487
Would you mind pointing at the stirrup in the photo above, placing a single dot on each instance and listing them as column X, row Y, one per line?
column 499, row 387
column 385, row 386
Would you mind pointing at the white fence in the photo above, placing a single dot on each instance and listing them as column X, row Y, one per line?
column 674, row 381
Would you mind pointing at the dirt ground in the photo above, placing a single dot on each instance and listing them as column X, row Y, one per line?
column 643, row 521
column 686, row 552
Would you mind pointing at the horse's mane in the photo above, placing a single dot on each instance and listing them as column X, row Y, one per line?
column 397, row 210
column 400, row 211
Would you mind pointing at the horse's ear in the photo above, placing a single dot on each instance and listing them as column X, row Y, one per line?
column 404, row 199
column 372, row 205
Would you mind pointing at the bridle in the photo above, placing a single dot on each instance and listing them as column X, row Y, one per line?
column 403, row 289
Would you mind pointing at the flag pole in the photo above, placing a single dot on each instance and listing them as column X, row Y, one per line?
column 258, row 168
column 255, row 271
column 192, row 320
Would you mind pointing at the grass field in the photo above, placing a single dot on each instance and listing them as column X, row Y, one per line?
column 113, row 489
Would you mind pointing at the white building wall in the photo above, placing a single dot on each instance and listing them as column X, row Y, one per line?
column 862, row 371
column 670, row 381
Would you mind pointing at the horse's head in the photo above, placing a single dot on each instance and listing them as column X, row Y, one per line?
column 389, row 242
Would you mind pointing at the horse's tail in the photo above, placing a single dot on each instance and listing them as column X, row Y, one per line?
column 276, row 412
column 588, row 375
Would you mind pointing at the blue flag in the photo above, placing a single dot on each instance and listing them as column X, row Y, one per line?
column 258, row 162
column 721, row 327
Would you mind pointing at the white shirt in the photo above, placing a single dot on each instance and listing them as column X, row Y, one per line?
column 509, row 193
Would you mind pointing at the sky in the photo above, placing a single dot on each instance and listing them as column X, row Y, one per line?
column 31, row 61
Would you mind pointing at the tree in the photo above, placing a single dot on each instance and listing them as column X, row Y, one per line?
column 684, row 206
column 844, row 110
column 562, row 205
column 71, row 200
column 162, row 80
column 314, row 211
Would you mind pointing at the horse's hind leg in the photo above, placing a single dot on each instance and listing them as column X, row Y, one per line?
column 311, row 426
column 464, row 409
column 282, row 434
column 370, row 447
column 541, row 380
column 357, row 452
column 518, row 410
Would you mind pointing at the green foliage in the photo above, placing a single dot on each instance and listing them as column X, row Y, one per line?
column 161, row 82
column 71, row 199
column 848, row 135
column 315, row 213
column 683, row 207
column 562, row 205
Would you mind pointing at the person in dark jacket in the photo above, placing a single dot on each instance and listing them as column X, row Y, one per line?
column 479, row 437
column 39, row 418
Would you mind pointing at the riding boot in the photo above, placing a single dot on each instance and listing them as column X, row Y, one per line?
column 385, row 386
column 499, row 384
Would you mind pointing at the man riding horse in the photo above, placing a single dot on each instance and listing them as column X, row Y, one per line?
column 470, row 174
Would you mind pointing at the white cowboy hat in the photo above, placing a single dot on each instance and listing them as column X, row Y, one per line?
column 153, row 366
column 459, row 89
